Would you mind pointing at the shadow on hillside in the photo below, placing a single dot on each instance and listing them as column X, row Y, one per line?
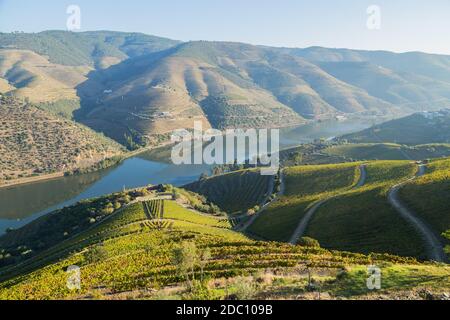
column 108, row 96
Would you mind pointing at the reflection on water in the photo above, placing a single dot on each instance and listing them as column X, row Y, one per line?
column 18, row 202
column 22, row 204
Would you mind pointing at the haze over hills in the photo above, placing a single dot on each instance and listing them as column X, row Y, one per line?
column 133, row 85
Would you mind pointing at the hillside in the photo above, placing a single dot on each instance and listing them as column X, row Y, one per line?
column 427, row 196
column 35, row 142
column 235, row 192
column 303, row 186
column 94, row 48
column 412, row 80
column 47, row 67
column 362, row 220
column 137, row 88
column 131, row 255
column 343, row 206
column 416, row 129
column 388, row 151
column 158, row 93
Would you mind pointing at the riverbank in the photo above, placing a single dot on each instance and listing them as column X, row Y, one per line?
column 28, row 180
column 56, row 175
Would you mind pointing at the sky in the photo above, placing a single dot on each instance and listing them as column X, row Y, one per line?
column 404, row 25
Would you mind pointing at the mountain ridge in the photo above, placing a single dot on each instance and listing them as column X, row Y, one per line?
column 140, row 86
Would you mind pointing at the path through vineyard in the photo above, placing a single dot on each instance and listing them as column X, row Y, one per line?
column 300, row 231
column 433, row 246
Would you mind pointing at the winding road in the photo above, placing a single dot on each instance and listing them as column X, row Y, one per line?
column 301, row 228
column 433, row 246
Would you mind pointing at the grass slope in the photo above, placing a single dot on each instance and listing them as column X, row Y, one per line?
column 388, row 151
column 428, row 196
column 362, row 220
column 124, row 258
column 303, row 186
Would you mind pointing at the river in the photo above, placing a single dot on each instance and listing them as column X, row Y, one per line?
column 22, row 204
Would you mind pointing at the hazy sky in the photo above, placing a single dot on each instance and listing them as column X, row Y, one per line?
column 406, row 25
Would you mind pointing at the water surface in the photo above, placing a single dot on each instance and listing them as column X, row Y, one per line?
column 21, row 204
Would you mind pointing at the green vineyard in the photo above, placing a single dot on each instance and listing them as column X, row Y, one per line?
column 154, row 209
column 304, row 186
column 124, row 257
column 362, row 220
column 131, row 252
column 235, row 192
column 428, row 196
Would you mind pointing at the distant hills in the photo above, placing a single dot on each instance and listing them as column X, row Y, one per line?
column 130, row 85
column 419, row 128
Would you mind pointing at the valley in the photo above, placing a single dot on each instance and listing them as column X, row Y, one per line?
column 127, row 245
column 87, row 183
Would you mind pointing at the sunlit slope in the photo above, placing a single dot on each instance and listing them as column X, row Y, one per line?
column 429, row 196
column 416, row 129
column 126, row 221
column 303, row 186
column 27, row 74
column 159, row 93
column 235, row 192
column 129, row 256
column 388, row 151
column 362, row 220
column 34, row 142
column 94, row 48
column 47, row 67
column 413, row 80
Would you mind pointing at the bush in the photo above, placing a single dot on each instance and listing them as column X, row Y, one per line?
column 309, row 242
column 245, row 289
column 95, row 254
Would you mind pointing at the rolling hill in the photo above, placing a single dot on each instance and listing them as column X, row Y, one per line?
column 416, row 129
column 94, row 49
column 131, row 255
column 303, row 186
column 47, row 67
column 135, row 86
column 388, row 151
column 425, row 196
column 362, row 220
column 346, row 206
column 413, row 80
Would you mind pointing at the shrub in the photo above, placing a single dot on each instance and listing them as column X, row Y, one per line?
column 309, row 242
column 95, row 254
column 245, row 289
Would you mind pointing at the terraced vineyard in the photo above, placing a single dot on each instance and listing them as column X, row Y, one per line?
column 235, row 192
column 362, row 220
column 154, row 209
column 120, row 258
column 303, row 186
